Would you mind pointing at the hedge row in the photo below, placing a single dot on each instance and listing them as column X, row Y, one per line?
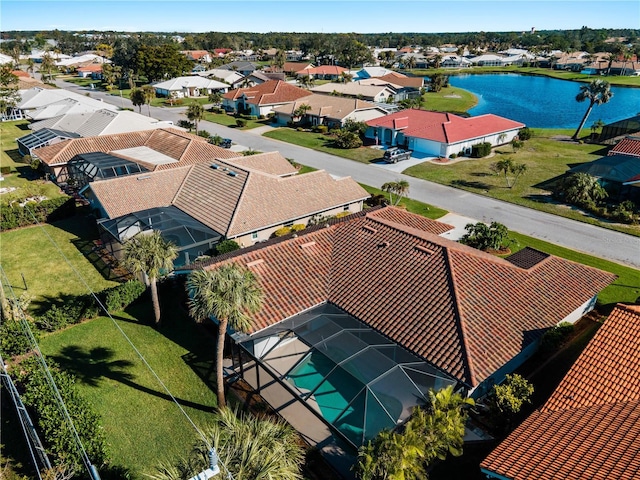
column 46, row 211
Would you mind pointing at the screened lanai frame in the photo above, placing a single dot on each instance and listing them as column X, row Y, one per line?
column 191, row 237
column 41, row 138
column 356, row 378
column 87, row 167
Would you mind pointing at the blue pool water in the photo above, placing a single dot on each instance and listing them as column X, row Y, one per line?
column 543, row 102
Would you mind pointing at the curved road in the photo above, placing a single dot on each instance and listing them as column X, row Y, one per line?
column 596, row 241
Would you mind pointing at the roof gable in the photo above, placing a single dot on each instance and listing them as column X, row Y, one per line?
column 267, row 93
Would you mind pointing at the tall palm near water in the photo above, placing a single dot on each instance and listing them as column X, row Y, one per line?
column 228, row 293
column 597, row 92
column 151, row 254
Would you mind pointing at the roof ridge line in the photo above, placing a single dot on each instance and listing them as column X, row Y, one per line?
column 466, row 357
column 184, row 180
column 237, row 206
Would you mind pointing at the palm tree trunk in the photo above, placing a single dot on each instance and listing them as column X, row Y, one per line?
column 155, row 300
column 222, row 332
column 584, row 120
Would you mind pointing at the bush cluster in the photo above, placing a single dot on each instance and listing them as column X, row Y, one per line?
column 50, row 210
column 525, row 133
column 13, row 340
column 72, row 311
column 480, row 150
column 241, row 122
column 555, row 337
column 226, row 246
column 346, row 139
column 5, row 170
column 321, row 129
column 121, row 296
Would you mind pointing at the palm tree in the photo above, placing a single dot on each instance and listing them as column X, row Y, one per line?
column 301, row 111
column 597, row 92
column 137, row 98
column 152, row 255
column 399, row 187
column 280, row 59
column 46, row 66
column 228, row 293
column 30, row 65
column 149, row 94
column 583, row 189
column 195, row 113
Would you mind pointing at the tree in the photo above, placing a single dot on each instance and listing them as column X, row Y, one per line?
column 512, row 394
column 161, row 61
column 152, row 255
column 30, row 65
column 149, row 94
column 400, row 188
column 582, row 189
column 195, row 113
column 228, row 293
column 485, row 237
column 438, row 82
column 251, row 448
column 9, row 95
column 508, row 166
column 351, row 125
column 111, row 74
column 597, row 92
column 301, row 111
column 137, row 98
column 104, row 50
column 215, row 97
column 46, row 67
column 595, row 126
column 280, row 59
column 346, row 139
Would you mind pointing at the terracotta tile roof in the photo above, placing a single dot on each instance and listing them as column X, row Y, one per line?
column 268, row 93
column 403, row 80
column 328, row 106
column 272, row 163
column 292, row 67
column 627, row 146
column 446, row 127
column 92, row 67
column 124, row 195
column 590, row 426
column 323, row 70
column 464, row 310
column 20, row 73
column 181, row 146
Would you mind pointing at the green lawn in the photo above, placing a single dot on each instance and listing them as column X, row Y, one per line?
column 230, row 121
column 450, row 99
column 9, row 132
column 29, row 252
column 412, row 206
column 142, row 424
column 323, row 143
column 546, row 160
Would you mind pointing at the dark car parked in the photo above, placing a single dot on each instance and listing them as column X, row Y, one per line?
column 394, row 155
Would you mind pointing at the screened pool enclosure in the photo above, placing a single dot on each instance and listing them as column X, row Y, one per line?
column 359, row 381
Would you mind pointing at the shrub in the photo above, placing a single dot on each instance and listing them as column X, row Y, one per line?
column 50, row 210
column 321, row 129
column 5, row 170
column 72, row 311
column 13, row 340
column 480, row 150
column 204, row 134
column 185, row 124
column 525, row 133
column 453, row 155
column 485, row 237
column 226, row 246
column 121, row 296
column 359, row 128
column 555, row 337
column 241, row 122
column 509, row 397
column 297, row 227
column 346, row 139
column 217, row 110
column 343, row 214
column 281, row 232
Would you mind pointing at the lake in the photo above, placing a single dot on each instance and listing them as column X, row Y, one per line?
column 543, row 102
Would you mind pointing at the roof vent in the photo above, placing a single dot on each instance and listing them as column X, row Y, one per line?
column 215, row 166
column 307, row 244
column 383, row 244
column 144, row 177
column 232, row 173
column 255, row 262
column 424, row 249
column 369, row 229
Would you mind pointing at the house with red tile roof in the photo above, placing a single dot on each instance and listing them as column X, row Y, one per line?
column 199, row 56
column 93, row 70
column 261, row 99
column 590, row 426
column 441, row 134
column 323, row 72
column 241, row 198
column 157, row 149
column 629, row 146
column 470, row 316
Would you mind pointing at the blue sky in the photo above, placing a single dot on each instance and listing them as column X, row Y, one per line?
column 362, row 16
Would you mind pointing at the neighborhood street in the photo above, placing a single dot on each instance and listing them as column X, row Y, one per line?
column 603, row 243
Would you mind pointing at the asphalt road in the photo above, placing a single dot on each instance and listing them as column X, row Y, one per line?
column 596, row 241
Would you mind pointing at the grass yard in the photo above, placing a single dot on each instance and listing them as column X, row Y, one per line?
column 143, row 426
column 322, row 143
column 29, row 252
column 230, row 121
column 546, row 159
column 412, row 206
column 450, row 99
column 9, row 132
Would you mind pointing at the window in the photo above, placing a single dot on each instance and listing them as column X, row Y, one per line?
column 345, row 208
column 254, row 236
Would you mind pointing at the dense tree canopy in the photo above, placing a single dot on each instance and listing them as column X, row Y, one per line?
column 159, row 62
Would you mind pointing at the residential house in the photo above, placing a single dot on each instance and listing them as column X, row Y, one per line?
column 372, row 93
column 198, row 56
column 420, row 61
column 629, row 146
column 242, row 66
column 455, row 61
column 490, row 60
column 262, row 99
column 93, row 70
column 403, row 80
column 71, row 64
column 399, row 92
column 614, row 132
column 615, row 173
column 101, row 122
column 39, row 103
column 323, row 72
column 158, row 149
column 258, row 77
column 188, row 87
column 371, row 72
column 328, row 110
column 244, row 198
column 42, row 138
column 441, row 134
column 221, row 52
column 589, row 427
column 350, row 305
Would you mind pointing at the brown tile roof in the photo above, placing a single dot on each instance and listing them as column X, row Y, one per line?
column 268, row 93
column 272, row 163
column 328, row 106
column 292, row 67
column 465, row 311
column 179, row 145
column 124, row 195
column 627, row 146
column 25, row 83
column 403, row 80
column 590, row 426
